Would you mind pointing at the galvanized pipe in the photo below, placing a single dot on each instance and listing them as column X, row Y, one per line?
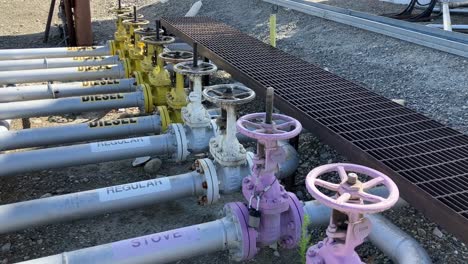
column 46, row 136
column 49, row 63
column 158, row 248
column 39, row 53
column 446, row 16
column 391, row 240
column 63, row 74
column 104, row 200
column 60, row 90
column 4, row 126
column 66, row 156
column 88, row 103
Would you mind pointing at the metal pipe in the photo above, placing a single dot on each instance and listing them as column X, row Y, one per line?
column 390, row 239
column 88, row 103
column 46, row 136
column 66, row 156
column 158, row 248
column 62, row 52
column 104, row 200
column 5, row 125
column 60, row 90
column 46, row 63
column 63, row 74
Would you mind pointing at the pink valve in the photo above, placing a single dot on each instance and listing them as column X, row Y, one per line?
column 272, row 214
column 282, row 127
column 348, row 227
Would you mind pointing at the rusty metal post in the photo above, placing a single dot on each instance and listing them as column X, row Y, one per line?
column 83, row 27
column 67, row 6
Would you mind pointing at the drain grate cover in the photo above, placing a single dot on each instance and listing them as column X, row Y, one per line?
column 427, row 160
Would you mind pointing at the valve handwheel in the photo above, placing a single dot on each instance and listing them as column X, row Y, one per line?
column 282, row 126
column 351, row 192
column 228, row 94
column 176, row 56
column 202, row 68
column 153, row 40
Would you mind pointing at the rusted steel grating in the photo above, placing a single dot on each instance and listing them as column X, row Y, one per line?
column 427, row 160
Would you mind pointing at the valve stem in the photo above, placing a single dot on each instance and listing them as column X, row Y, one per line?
column 158, row 26
column 120, row 4
column 134, row 14
column 195, row 54
column 270, row 93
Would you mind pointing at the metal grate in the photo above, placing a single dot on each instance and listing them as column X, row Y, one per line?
column 427, row 160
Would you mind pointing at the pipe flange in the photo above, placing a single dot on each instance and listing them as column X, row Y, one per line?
column 292, row 229
column 228, row 94
column 153, row 40
column 176, row 56
column 203, row 68
column 165, row 117
column 138, row 22
column 212, row 182
column 182, row 142
column 239, row 215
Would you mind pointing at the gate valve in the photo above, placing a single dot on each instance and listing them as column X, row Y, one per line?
column 225, row 147
column 274, row 214
column 152, row 69
column 139, row 46
column 348, row 226
column 176, row 98
column 194, row 114
column 121, row 33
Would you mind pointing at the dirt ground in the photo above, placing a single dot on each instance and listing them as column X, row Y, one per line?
column 387, row 66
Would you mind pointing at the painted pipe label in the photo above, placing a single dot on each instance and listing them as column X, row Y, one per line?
column 111, row 123
column 134, row 189
column 155, row 244
column 97, row 98
column 112, row 145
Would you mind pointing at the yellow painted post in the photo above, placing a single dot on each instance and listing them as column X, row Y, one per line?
column 274, row 11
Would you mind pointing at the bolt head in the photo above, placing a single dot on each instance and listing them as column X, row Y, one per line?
column 352, row 178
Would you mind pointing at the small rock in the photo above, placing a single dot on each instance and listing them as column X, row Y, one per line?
column 455, row 252
column 60, row 191
column 6, row 247
column 276, row 253
column 26, row 258
column 421, row 232
column 4, row 261
column 40, row 241
column 85, row 180
column 153, row 165
column 46, row 195
column 399, row 101
column 437, row 233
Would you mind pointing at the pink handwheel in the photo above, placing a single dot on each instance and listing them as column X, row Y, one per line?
column 351, row 192
column 282, row 127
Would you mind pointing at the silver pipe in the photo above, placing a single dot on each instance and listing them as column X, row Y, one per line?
column 87, row 103
column 60, row 90
column 66, row 156
column 390, row 239
column 38, row 53
column 395, row 243
column 46, row 136
column 63, row 74
column 5, row 125
column 49, row 63
column 158, row 248
column 104, row 200
column 454, row 27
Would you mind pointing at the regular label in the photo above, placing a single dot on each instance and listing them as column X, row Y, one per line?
column 111, row 123
column 97, row 98
column 112, row 145
column 156, row 244
column 133, row 189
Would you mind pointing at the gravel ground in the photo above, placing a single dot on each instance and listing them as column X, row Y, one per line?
column 431, row 82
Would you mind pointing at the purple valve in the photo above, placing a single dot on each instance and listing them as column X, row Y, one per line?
column 272, row 215
column 348, row 226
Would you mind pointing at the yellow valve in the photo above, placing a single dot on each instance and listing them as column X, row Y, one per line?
column 165, row 118
column 177, row 98
column 130, row 27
